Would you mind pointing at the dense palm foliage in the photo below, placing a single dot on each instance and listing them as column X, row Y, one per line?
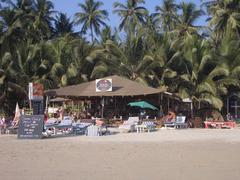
column 161, row 48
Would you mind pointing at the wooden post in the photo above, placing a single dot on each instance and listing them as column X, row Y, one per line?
column 102, row 106
column 168, row 103
column 227, row 105
column 192, row 108
column 115, row 112
column 30, row 106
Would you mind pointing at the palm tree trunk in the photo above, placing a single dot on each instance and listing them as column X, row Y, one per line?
column 92, row 33
column 192, row 108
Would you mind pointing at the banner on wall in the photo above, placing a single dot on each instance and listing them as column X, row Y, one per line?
column 35, row 91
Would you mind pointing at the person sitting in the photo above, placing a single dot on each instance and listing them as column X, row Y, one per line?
column 229, row 117
column 171, row 117
column 15, row 122
column 99, row 122
column 102, row 125
column 215, row 116
column 74, row 116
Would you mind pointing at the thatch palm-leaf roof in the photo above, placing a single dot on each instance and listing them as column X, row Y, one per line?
column 120, row 87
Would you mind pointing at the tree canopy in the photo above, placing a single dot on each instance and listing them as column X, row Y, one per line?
column 162, row 48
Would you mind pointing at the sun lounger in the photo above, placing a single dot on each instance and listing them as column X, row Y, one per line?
column 178, row 124
column 64, row 125
column 12, row 130
column 168, row 125
column 80, row 128
column 51, row 123
column 130, row 124
column 150, row 125
column 146, row 125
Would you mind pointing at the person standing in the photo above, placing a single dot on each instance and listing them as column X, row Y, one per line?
column 3, row 124
column 61, row 113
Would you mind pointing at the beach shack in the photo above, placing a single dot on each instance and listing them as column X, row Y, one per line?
column 109, row 96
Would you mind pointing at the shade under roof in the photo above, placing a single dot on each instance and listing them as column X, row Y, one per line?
column 120, row 87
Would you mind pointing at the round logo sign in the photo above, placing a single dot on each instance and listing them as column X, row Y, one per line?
column 104, row 85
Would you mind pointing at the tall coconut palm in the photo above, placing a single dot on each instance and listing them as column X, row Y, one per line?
column 63, row 25
column 130, row 13
column 16, row 19
column 43, row 11
column 224, row 18
column 185, row 24
column 166, row 14
column 8, row 30
column 91, row 17
column 165, row 61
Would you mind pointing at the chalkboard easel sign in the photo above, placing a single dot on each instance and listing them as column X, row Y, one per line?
column 31, row 127
column 37, row 107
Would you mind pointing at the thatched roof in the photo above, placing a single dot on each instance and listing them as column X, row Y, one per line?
column 121, row 87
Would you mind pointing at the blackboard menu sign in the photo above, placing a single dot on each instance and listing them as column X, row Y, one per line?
column 31, row 127
column 37, row 107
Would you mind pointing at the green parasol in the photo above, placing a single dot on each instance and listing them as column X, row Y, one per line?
column 143, row 105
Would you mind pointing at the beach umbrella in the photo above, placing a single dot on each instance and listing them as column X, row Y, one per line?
column 143, row 105
column 17, row 111
column 17, row 114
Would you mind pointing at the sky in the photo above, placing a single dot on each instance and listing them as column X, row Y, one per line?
column 70, row 7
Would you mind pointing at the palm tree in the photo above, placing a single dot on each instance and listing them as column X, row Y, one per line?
column 185, row 27
column 63, row 25
column 69, row 64
column 43, row 17
column 205, row 80
column 228, row 54
column 224, row 17
column 131, row 14
column 164, row 61
column 109, row 34
column 8, row 30
column 91, row 17
column 118, row 58
column 16, row 20
column 166, row 14
column 12, row 82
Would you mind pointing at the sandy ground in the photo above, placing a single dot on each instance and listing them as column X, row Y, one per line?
column 194, row 154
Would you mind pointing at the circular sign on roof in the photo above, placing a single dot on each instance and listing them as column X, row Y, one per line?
column 103, row 85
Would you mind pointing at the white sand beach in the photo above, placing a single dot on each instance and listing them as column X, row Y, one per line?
column 193, row 154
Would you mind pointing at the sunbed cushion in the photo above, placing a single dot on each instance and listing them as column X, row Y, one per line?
column 180, row 119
